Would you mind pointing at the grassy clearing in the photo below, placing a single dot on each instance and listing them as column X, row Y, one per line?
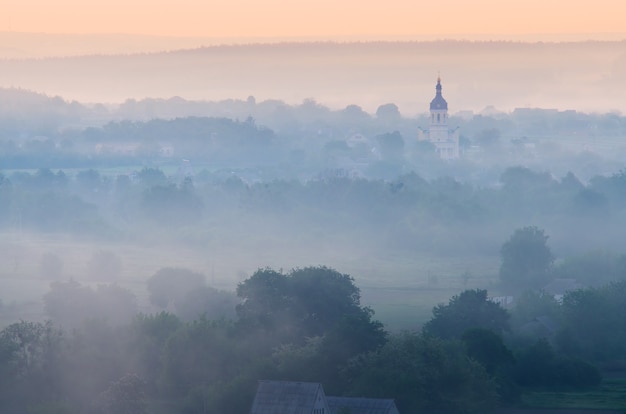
column 609, row 395
column 401, row 288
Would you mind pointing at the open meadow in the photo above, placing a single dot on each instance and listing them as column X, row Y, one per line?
column 401, row 289
column 609, row 395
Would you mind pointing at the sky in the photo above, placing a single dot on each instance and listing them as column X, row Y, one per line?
column 317, row 19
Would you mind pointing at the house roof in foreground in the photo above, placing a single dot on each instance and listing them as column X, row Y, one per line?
column 361, row 405
column 286, row 397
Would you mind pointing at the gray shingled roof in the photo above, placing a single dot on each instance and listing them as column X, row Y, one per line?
column 361, row 405
column 285, row 397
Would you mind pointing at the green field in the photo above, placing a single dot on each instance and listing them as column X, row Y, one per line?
column 609, row 395
column 402, row 289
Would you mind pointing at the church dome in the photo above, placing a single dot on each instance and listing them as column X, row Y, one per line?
column 438, row 102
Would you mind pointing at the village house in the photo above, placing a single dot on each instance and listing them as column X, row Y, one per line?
column 291, row 397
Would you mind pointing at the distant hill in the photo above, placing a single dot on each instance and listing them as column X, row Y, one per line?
column 16, row 45
column 587, row 76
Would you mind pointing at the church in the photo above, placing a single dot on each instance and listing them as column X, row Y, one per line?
column 445, row 140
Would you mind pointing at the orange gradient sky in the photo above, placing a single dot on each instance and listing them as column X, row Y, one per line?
column 319, row 18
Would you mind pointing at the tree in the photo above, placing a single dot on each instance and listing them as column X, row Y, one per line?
column 171, row 204
column 524, row 180
column 114, row 303
column 424, row 375
column 206, row 300
column 148, row 336
column 169, row 285
column 264, row 296
column 391, row 145
column 323, row 358
column 321, row 297
column 67, row 303
column 30, row 364
column 594, row 268
column 351, row 336
column 531, row 304
column 593, row 319
column 487, row 348
column 125, row 396
column 306, row 302
column 388, row 112
column 89, row 180
column 56, row 211
column 98, row 355
column 526, row 259
column 355, row 113
column 488, row 138
column 202, row 352
column 534, row 367
column 151, row 177
column 591, row 202
column 70, row 303
column 470, row 309
column 539, row 366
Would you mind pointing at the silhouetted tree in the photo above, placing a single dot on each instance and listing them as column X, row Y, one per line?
column 539, row 366
column 424, row 375
column 70, row 303
column 391, row 145
column 487, row 348
column 127, row 395
column 310, row 300
column 388, row 112
column 470, row 309
column 169, row 286
column 151, row 177
column 526, row 259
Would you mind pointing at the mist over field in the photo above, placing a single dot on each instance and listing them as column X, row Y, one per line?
column 176, row 226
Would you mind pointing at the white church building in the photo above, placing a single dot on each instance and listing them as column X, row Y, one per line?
column 445, row 140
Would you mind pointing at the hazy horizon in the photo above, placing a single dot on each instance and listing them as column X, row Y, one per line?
column 38, row 45
column 583, row 76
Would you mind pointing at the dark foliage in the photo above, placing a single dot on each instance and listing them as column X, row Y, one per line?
column 423, row 374
column 470, row 309
column 526, row 259
column 538, row 366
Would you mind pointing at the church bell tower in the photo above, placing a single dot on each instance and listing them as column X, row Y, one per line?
column 446, row 141
column 438, row 116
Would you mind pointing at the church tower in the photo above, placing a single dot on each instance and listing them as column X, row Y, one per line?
column 438, row 116
column 446, row 142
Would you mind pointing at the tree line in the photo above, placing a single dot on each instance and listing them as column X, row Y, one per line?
column 410, row 212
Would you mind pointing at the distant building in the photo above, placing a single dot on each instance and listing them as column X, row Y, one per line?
column 505, row 301
column 355, row 405
column 445, row 140
column 559, row 287
column 291, row 397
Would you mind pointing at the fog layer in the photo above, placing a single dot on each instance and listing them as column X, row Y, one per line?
column 576, row 75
